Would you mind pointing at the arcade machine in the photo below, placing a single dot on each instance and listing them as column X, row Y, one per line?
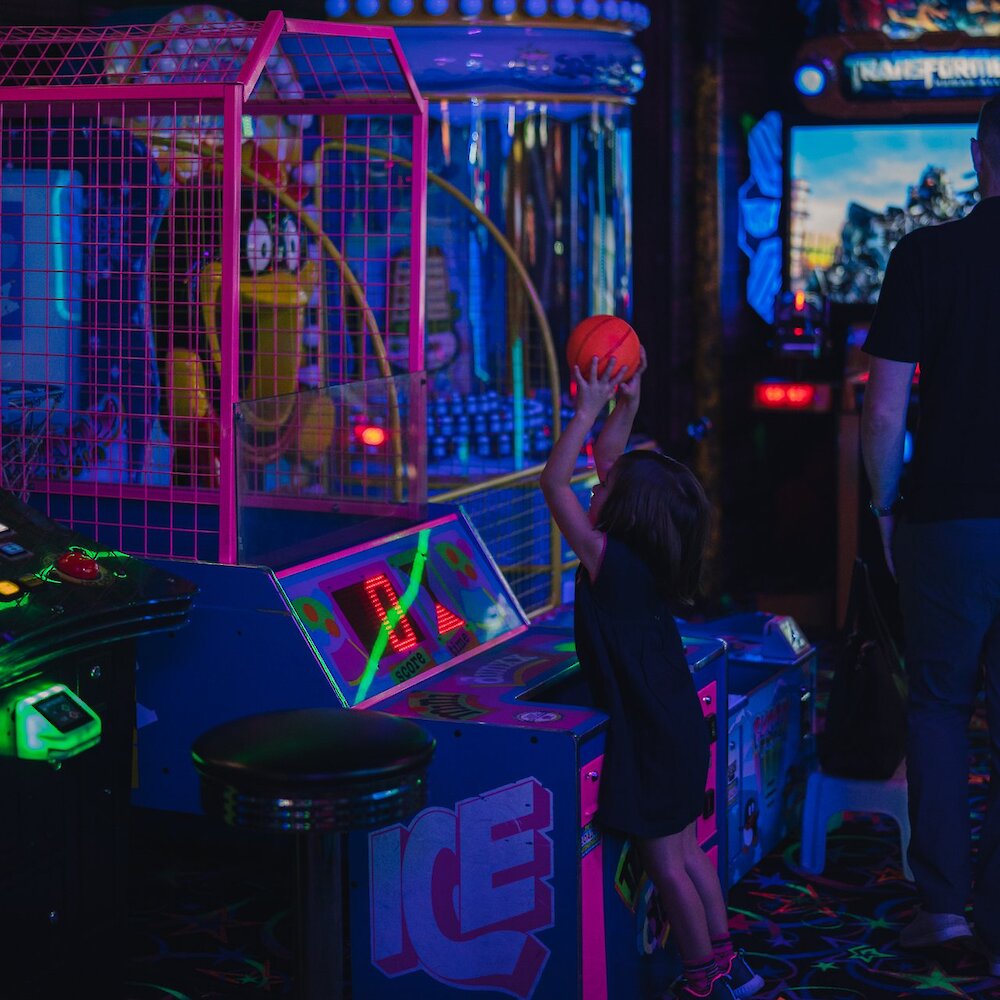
column 770, row 731
column 233, row 408
column 71, row 612
column 881, row 148
column 502, row 883
column 529, row 230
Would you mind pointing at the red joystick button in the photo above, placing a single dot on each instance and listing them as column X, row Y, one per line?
column 77, row 566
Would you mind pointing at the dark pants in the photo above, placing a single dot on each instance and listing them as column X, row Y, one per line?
column 949, row 590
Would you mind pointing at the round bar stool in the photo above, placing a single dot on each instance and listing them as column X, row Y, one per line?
column 316, row 773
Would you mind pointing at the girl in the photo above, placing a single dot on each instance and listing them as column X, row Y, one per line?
column 640, row 548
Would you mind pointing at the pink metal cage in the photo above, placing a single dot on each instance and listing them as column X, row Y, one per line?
column 203, row 226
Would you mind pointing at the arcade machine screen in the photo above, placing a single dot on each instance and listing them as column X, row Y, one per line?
column 856, row 189
column 380, row 617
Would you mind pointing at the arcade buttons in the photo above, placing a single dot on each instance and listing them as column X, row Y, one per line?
column 77, row 567
column 14, row 550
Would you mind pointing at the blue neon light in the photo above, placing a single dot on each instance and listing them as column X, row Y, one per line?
column 810, row 80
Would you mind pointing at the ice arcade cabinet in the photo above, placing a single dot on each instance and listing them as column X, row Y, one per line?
column 71, row 613
column 502, row 883
column 903, row 93
column 235, row 213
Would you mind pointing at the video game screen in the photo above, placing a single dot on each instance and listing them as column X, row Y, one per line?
column 855, row 189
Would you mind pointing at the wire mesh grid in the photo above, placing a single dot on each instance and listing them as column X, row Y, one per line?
column 306, row 64
column 165, row 258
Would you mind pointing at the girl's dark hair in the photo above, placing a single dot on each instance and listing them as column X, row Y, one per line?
column 658, row 508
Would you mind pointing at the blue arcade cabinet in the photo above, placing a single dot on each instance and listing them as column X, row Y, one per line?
column 770, row 731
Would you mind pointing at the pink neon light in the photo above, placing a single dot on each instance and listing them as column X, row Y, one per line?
column 594, row 974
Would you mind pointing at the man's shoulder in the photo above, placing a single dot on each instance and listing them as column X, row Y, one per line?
column 983, row 217
column 937, row 239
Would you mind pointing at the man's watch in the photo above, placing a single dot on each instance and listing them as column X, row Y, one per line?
column 887, row 510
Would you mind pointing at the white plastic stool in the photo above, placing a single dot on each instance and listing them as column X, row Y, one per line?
column 828, row 795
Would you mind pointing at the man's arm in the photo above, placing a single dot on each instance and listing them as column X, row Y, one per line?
column 883, row 432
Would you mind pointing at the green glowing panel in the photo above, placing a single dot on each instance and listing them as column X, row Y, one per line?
column 53, row 724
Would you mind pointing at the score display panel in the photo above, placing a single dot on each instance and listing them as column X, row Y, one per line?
column 384, row 614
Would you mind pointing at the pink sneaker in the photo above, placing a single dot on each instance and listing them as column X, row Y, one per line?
column 719, row 990
column 743, row 981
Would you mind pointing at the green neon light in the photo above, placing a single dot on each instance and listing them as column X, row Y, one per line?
column 49, row 574
column 517, row 362
column 99, row 553
column 38, row 737
column 393, row 616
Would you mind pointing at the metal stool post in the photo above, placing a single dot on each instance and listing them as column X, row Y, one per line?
column 316, row 773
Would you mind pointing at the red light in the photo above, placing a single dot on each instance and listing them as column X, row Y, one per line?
column 801, row 395
column 785, row 395
column 800, row 301
column 798, row 331
column 771, row 395
column 382, row 596
column 372, row 435
column 447, row 621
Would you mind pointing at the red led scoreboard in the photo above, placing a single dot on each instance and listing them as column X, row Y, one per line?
column 378, row 617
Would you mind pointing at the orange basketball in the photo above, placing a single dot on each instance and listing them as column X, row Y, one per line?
column 607, row 337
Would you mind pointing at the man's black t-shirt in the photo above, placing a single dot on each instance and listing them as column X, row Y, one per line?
column 940, row 307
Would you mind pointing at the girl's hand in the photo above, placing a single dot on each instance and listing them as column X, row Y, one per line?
column 594, row 392
column 628, row 391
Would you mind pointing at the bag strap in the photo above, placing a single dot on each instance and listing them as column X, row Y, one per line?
column 851, row 613
column 878, row 622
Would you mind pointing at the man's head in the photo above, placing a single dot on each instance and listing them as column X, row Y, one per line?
column 986, row 148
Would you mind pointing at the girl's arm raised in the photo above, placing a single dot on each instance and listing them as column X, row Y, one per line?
column 612, row 440
column 592, row 396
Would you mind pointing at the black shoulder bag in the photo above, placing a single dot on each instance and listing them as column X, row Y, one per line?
column 864, row 734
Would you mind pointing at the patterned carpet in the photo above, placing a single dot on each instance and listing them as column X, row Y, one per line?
column 212, row 917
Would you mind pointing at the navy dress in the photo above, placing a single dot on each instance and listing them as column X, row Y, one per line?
column 657, row 753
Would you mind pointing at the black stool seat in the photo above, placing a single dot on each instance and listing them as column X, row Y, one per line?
column 313, row 770
column 316, row 773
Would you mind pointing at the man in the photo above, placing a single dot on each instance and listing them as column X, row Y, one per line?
column 939, row 308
